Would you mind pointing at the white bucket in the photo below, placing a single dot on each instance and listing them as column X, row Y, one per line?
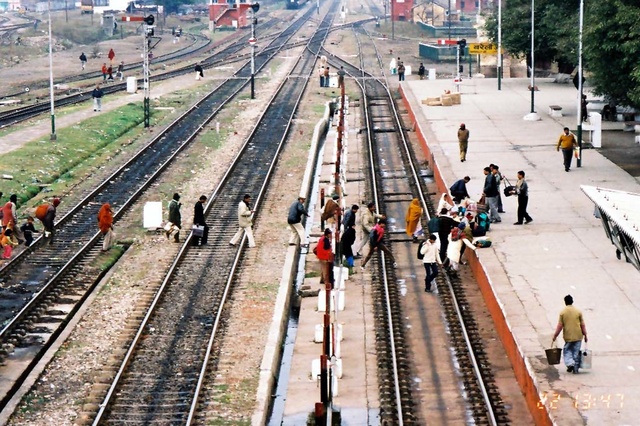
column 585, row 359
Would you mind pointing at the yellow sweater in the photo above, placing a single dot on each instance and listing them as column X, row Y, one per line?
column 566, row 141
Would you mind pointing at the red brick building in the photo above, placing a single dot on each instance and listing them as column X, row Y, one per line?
column 401, row 10
column 229, row 14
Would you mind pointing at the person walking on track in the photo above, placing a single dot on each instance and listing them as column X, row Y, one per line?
column 83, row 60
column 48, row 219
column 377, row 244
column 198, row 220
column 175, row 217
column 431, row 260
column 244, row 222
column 412, row 219
column 463, row 141
column 294, row 219
column 571, row 323
column 349, row 218
column 105, row 223
column 368, row 220
column 10, row 219
column 567, row 142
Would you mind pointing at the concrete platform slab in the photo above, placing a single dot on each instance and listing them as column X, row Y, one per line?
column 529, row 269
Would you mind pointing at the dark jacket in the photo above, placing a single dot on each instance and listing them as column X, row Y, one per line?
column 198, row 214
column 174, row 213
column 459, row 189
column 28, row 228
column 490, row 186
column 446, row 225
column 349, row 219
column 83, row 57
column 97, row 93
column 49, row 217
column 296, row 211
column 348, row 239
column 522, row 189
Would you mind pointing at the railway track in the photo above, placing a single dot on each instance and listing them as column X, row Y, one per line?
column 229, row 54
column 34, row 280
column 395, row 178
column 225, row 55
column 170, row 366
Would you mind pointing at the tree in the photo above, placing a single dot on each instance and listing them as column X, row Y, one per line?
column 611, row 40
column 554, row 29
column 612, row 43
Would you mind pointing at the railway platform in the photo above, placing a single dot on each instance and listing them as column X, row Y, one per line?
column 357, row 388
column 529, row 269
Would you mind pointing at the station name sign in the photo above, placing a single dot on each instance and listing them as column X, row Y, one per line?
column 482, row 48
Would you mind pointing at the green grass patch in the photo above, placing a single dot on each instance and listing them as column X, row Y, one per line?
column 31, row 403
column 108, row 259
column 42, row 162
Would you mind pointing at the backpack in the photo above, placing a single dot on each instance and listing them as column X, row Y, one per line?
column 420, row 255
column 434, row 225
column 483, row 243
column 482, row 219
column 456, row 233
column 41, row 211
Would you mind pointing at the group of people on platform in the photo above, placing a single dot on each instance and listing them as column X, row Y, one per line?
column 324, row 73
column 372, row 225
column 12, row 235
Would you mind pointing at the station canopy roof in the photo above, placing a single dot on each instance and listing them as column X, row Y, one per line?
column 622, row 207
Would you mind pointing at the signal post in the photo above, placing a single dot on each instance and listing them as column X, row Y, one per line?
column 148, row 29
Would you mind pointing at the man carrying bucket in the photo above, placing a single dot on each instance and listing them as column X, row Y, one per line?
column 571, row 323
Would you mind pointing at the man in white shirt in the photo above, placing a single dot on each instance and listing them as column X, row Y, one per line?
column 431, row 260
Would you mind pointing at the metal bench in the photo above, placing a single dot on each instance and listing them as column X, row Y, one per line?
column 555, row 110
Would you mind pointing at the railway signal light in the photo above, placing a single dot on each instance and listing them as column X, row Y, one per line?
column 463, row 44
column 255, row 7
column 149, row 20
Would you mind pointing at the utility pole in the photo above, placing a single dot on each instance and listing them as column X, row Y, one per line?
column 252, row 41
column 449, row 18
column 393, row 29
column 580, row 117
column 499, row 44
column 148, row 33
column 533, row 67
column 51, row 94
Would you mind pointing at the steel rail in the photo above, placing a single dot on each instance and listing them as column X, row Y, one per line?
column 385, row 283
column 176, row 264
column 258, row 199
column 467, row 339
column 43, row 291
